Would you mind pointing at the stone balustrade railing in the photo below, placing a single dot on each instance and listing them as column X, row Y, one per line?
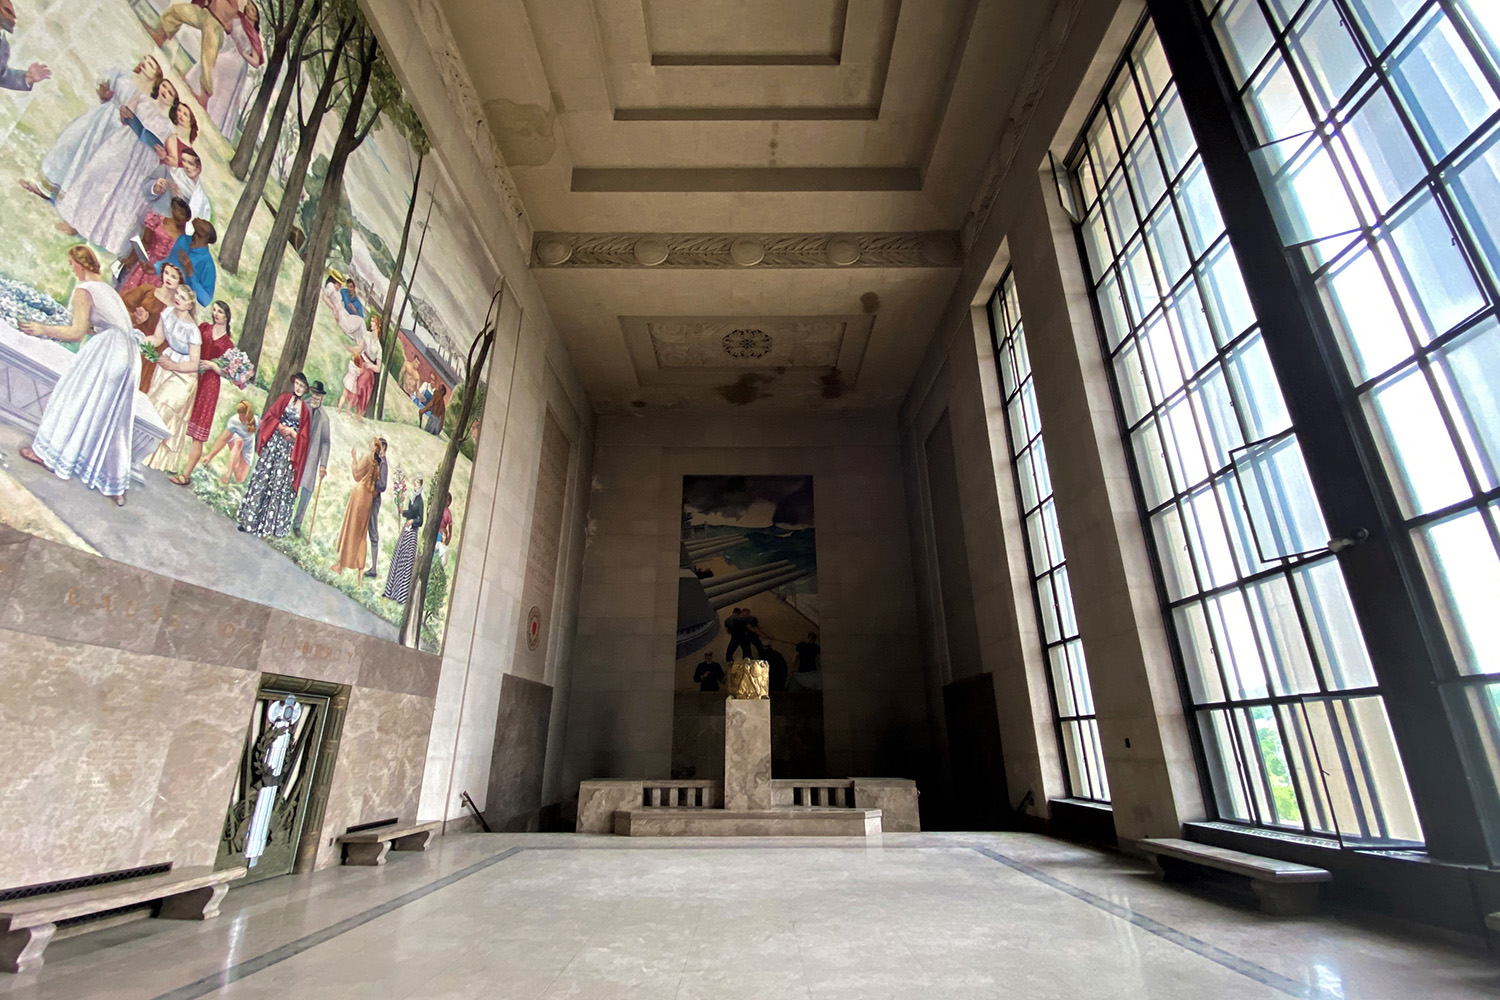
column 683, row 794
column 824, row 792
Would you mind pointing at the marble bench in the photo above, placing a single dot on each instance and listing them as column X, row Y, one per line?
column 1283, row 887
column 27, row 925
column 369, row 847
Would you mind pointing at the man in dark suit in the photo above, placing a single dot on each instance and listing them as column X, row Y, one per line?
column 380, row 483
column 709, row 674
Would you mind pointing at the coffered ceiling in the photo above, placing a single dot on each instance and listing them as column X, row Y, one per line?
column 744, row 202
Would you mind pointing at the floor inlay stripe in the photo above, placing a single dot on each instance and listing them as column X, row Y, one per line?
column 1213, row 953
column 219, row 980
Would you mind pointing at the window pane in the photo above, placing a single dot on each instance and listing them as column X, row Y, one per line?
column 1200, row 210
column 1468, row 371
column 1383, row 19
column 1441, row 86
column 1256, row 391
column 1362, row 770
column 1364, row 314
column 1226, row 766
column 1275, row 105
column 1198, row 653
column 1224, row 292
column 1275, row 766
column 1382, row 148
column 1459, row 556
column 1415, row 444
column 1288, row 662
column 1328, row 57
column 1340, row 648
column 1245, row 36
column 1438, row 285
column 1279, row 497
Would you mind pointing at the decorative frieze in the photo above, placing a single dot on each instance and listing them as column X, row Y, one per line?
column 781, row 250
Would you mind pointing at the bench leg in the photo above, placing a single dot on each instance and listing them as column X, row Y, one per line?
column 366, row 854
column 1173, row 869
column 195, row 904
column 415, row 842
column 21, row 949
column 1295, row 900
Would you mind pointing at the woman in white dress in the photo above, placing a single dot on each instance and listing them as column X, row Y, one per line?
column 106, row 202
column 86, row 428
column 236, row 74
column 175, row 387
column 81, row 138
column 348, row 312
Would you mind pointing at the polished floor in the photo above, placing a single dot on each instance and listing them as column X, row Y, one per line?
column 919, row 915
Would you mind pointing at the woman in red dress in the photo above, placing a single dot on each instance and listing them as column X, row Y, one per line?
column 217, row 342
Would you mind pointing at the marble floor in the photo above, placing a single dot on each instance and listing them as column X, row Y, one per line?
column 918, row 915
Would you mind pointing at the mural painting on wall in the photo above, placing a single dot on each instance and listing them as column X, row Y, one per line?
column 237, row 304
column 748, row 581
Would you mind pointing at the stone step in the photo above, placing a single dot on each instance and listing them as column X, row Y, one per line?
column 789, row 822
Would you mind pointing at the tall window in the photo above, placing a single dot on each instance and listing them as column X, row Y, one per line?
column 1379, row 124
column 1292, row 724
column 1072, row 700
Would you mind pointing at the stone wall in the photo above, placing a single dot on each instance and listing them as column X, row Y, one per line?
column 125, row 695
column 620, row 707
column 124, row 702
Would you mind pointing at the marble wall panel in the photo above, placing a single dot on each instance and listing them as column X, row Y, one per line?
column 114, row 758
column 514, row 798
column 378, row 773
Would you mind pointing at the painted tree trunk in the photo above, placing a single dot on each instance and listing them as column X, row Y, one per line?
column 411, row 618
column 315, row 253
column 389, row 330
column 232, row 241
column 244, row 153
column 253, row 329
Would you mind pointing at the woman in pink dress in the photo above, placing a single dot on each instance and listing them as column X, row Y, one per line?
column 157, row 236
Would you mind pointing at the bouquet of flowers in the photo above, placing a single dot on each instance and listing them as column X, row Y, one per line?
column 20, row 303
column 398, row 485
column 235, row 365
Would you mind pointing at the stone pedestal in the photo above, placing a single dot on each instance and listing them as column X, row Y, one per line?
column 747, row 754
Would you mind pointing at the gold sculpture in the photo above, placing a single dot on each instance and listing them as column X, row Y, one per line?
column 750, row 679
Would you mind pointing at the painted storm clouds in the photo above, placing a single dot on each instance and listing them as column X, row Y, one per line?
column 237, row 304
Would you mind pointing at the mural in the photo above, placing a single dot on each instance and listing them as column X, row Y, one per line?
column 239, row 306
column 748, row 581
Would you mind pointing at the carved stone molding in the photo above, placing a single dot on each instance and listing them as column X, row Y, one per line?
column 745, row 250
column 1033, row 84
column 439, row 39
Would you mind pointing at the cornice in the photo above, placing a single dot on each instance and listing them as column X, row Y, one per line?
column 438, row 37
column 1022, row 107
column 937, row 248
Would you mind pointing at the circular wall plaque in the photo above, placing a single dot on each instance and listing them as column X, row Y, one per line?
column 747, row 251
column 939, row 248
column 553, row 251
column 650, row 250
column 533, row 628
column 842, row 251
